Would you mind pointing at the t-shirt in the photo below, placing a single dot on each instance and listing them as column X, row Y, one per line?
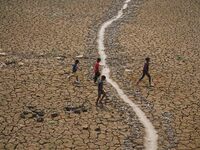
column 74, row 67
column 96, row 67
column 146, row 67
column 100, row 86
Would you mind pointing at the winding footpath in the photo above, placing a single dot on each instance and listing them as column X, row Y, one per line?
column 150, row 140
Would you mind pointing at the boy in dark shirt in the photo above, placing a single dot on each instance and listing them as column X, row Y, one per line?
column 101, row 90
column 96, row 70
column 146, row 71
column 74, row 71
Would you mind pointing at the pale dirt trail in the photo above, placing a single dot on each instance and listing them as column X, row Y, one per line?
column 151, row 134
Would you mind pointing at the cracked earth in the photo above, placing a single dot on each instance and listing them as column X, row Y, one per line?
column 41, row 109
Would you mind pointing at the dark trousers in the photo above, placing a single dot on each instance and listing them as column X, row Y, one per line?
column 148, row 75
column 96, row 76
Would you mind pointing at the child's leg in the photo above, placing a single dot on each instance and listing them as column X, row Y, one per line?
column 148, row 75
column 76, row 75
column 95, row 77
column 141, row 78
column 69, row 77
column 104, row 95
column 97, row 101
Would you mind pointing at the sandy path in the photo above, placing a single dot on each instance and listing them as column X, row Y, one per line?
column 151, row 135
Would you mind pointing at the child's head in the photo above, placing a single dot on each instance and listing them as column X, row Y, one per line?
column 103, row 77
column 98, row 59
column 76, row 61
column 147, row 59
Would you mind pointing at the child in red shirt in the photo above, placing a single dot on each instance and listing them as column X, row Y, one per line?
column 96, row 70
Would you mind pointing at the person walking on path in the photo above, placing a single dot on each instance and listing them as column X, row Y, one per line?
column 74, row 71
column 101, row 92
column 146, row 71
column 96, row 70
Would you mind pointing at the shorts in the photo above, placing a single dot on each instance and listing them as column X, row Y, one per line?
column 100, row 93
column 76, row 74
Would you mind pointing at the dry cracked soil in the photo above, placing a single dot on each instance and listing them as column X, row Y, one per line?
column 40, row 108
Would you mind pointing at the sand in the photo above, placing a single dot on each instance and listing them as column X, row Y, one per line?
column 39, row 42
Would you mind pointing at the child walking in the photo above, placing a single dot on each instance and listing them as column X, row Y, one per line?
column 146, row 71
column 96, row 70
column 101, row 92
column 74, row 71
